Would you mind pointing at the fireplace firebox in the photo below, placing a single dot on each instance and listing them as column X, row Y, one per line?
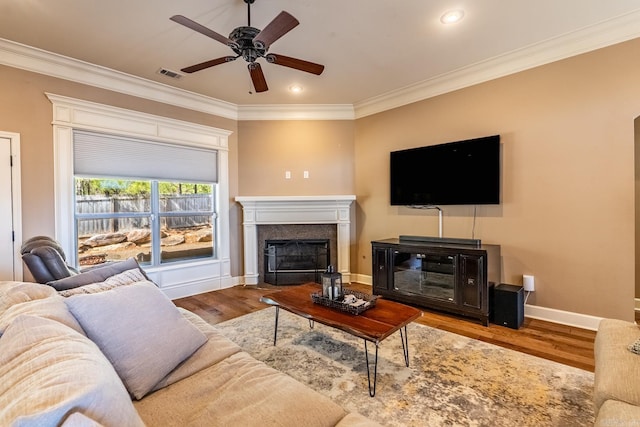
column 295, row 261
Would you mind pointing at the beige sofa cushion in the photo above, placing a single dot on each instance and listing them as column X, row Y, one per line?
column 617, row 369
column 50, row 371
column 356, row 420
column 16, row 292
column 217, row 348
column 52, row 307
column 616, row 413
column 239, row 391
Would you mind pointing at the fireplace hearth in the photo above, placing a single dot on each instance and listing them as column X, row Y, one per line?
column 295, row 261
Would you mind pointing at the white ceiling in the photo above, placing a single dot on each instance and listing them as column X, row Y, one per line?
column 372, row 49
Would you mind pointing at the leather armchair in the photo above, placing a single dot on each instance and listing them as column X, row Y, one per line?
column 45, row 259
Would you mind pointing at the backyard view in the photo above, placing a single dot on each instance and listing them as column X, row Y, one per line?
column 154, row 222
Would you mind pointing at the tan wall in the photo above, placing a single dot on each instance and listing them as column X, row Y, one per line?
column 567, row 214
column 567, row 128
column 268, row 149
column 26, row 110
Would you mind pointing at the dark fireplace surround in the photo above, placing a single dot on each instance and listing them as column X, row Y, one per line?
column 295, row 233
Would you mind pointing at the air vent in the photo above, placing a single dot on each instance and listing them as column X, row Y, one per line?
column 169, row 73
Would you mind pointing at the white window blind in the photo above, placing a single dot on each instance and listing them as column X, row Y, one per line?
column 96, row 154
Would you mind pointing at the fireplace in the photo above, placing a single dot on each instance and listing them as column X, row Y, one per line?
column 306, row 212
column 295, row 261
column 295, row 233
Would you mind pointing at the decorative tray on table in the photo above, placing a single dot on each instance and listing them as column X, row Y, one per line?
column 353, row 302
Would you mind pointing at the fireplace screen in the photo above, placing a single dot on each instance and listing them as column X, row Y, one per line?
column 295, row 261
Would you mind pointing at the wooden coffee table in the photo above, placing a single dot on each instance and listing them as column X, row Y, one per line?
column 374, row 325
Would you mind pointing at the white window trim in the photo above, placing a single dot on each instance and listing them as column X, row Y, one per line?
column 178, row 280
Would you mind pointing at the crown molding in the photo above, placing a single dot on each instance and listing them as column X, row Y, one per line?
column 615, row 30
column 606, row 33
column 296, row 112
column 40, row 61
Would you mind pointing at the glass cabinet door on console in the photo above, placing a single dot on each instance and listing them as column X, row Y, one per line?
column 424, row 274
column 381, row 269
column 472, row 278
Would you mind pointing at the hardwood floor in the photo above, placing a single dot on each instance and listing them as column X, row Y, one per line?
column 564, row 344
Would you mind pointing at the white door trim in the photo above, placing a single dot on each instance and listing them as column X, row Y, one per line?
column 16, row 201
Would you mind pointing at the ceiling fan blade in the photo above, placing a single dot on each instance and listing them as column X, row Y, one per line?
column 183, row 20
column 298, row 64
column 207, row 64
column 281, row 25
column 257, row 77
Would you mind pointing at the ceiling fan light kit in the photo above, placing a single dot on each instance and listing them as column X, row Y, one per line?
column 250, row 44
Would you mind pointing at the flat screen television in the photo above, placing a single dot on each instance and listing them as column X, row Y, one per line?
column 456, row 173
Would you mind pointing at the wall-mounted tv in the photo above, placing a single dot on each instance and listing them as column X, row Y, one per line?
column 456, row 173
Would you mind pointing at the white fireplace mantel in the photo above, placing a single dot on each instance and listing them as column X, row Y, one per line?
column 262, row 210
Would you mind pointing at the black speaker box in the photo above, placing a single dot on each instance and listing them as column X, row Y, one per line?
column 507, row 305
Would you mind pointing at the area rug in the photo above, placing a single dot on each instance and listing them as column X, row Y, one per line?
column 452, row 380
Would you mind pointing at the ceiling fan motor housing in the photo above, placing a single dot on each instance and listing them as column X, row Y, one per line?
column 243, row 40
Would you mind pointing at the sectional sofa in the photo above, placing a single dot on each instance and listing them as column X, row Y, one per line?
column 120, row 353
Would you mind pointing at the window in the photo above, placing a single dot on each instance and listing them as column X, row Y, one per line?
column 153, row 221
column 143, row 199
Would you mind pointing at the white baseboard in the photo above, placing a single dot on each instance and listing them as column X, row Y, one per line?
column 568, row 318
column 637, row 304
column 187, row 289
column 361, row 278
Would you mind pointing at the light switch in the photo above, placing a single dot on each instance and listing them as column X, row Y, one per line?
column 305, row 174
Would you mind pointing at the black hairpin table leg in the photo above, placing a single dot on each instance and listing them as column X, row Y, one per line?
column 372, row 390
column 405, row 345
column 275, row 329
column 405, row 352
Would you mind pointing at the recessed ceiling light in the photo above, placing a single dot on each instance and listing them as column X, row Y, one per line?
column 452, row 16
column 295, row 88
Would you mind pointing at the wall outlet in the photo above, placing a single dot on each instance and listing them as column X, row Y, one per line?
column 305, row 174
column 287, row 175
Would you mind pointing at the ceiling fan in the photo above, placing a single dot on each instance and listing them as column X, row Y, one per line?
column 251, row 43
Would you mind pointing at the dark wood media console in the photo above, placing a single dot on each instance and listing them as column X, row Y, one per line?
column 453, row 275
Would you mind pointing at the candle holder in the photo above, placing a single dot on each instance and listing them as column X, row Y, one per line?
column 331, row 284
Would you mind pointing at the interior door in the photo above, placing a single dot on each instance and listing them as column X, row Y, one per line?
column 6, row 213
column 10, row 207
